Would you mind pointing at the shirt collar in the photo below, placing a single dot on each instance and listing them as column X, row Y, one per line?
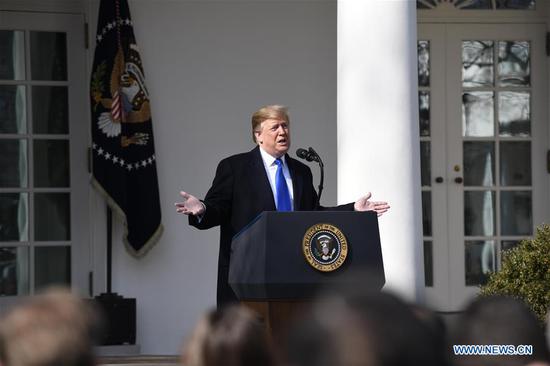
column 268, row 159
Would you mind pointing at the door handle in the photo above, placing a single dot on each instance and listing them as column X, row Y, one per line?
column 459, row 180
column 439, row 180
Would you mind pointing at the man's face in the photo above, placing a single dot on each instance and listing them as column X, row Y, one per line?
column 274, row 137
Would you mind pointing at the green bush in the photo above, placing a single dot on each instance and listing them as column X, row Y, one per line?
column 525, row 273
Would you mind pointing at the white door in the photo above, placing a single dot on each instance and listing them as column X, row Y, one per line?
column 484, row 138
column 44, row 200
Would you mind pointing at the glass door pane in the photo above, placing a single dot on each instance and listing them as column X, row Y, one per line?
column 490, row 105
column 495, row 137
column 425, row 155
column 12, row 49
column 42, row 153
column 433, row 175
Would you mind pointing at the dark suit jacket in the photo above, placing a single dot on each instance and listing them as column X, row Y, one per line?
column 239, row 193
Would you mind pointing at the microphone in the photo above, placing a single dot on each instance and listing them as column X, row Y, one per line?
column 303, row 154
column 314, row 155
column 309, row 155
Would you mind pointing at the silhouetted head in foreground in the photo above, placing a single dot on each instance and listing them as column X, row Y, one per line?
column 55, row 328
column 500, row 320
column 228, row 336
column 367, row 328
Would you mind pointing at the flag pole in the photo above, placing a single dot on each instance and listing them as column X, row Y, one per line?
column 109, row 248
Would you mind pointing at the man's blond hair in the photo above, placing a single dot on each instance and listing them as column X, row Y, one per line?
column 275, row 111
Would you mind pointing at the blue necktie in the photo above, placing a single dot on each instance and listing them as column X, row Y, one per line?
column 283, row 196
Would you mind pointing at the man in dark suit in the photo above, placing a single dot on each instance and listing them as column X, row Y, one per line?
column 263, row 179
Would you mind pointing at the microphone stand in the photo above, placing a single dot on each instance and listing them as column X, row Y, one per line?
column 322, row 167
column 317, row 158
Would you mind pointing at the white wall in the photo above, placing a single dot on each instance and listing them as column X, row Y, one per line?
column 209, row 65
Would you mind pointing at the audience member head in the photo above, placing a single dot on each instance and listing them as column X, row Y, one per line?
column 51, row 329
column 437, row 331
column 331, row 334
column 229, row 336
column 499, row 320
column 368, row 328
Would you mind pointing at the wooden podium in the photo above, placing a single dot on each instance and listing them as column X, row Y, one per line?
column 269, row 270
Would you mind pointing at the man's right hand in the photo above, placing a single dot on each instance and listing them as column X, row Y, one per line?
column 191, row 205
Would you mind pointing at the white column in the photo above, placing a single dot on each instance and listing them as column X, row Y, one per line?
column 378, row 144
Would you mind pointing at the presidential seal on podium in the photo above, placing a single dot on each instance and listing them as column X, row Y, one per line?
column 325, row 247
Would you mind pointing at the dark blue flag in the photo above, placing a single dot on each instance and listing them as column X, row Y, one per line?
column 124, row 162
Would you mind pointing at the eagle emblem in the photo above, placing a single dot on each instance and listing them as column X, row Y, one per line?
column 127, row 100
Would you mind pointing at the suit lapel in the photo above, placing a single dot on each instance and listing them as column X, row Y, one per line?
column 297, row 183
column 260, row 179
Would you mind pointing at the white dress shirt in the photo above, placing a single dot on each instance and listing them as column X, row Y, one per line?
column 271, row 170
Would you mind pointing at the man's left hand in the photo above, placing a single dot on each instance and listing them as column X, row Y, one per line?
column 363, row 204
